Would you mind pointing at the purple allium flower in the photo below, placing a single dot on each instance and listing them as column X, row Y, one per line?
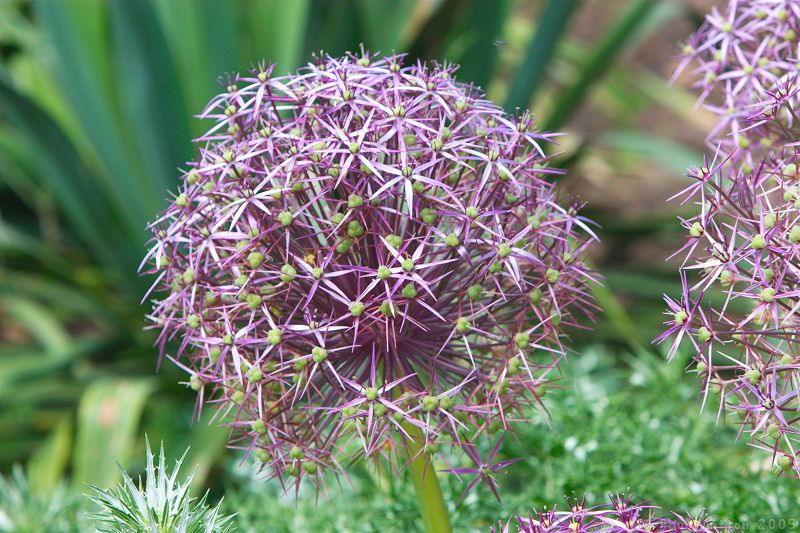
column 366, row 253
column 740, row 56
column 738, row 311
column 618, row 516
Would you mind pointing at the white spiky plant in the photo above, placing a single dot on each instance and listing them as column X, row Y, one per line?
column 161, row 505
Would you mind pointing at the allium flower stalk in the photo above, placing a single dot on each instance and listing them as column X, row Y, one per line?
column 738, row 311
column 620, row 515
column 365, row 255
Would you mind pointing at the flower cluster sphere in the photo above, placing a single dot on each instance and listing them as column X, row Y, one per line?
column 366, row 253
column 619, row 515
column 740, row 314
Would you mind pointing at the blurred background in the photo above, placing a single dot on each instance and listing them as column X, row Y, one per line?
column 96, row 116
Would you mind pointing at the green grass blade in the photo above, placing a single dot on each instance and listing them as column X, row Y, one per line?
column 621, row 34
column 77, row 33
column 62, row 172
column 108, row 419
column 278, row 31
column 154, row 109
column 531, row 72
column 49, row 460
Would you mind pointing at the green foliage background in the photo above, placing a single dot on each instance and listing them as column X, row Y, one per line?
column 96, row 105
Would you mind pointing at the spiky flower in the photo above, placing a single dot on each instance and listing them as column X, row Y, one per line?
column 744, row 239
column 365, row 253
column 620, row 515
column 161, row 504
column 742, row 56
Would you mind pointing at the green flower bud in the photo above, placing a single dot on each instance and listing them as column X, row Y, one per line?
column 274, row 336
column 356, row 308
column 394, row 241
column 475, row 291
column 680, row 317
column 343, row 246
column 355, row 229
column 430, row 403
column 300, row 365
column 535, row 296
column 288, row 273
column 794, row 234
column 696, row 230
column 552, row 275
column 786, row 360
column 768, row 274
column 379, row 409
column 214, row 354
column 522, row 339
column 428, row 216
column 262, row 455
column 384, row 272
column 514, row 366
column 195, row 382
column 387, row 308
column 254, row 259
column 462, row 325
column 317, row 272
column 758, row 242
column 769, row 220
column 254, row 375
column 319, row 354
column 472, row 211
column 227, row 339
column 784, row 462
column 753, row 376
column 253, row 301
column 446, row 403
column 193, row 321
column 182, row 200
column 296, row 453
column 437, row 144
column 409, row 291
column 354, row 201
column 452, row 240
column 407, row 264
column 703, row 334
column 495, row 267
column 285, row 218
column 504, row 250
column 767, row 295
column 371, row 393
column 238, row 396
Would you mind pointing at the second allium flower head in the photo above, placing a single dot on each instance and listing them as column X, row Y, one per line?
column 363, row 253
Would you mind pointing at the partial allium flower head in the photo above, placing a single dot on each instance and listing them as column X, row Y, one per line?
column 741, row 57
column 366, row 253
column 620, row 515
column 738, row 311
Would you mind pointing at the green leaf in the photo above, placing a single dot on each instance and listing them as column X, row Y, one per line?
column 77, row 31
column 49, row 460
column 666, row 152
column 531, row 72
column 615, row 40
column 154, row 109
column 60, row 170
column 108, row 417
column 278, row 32
column 383, row 23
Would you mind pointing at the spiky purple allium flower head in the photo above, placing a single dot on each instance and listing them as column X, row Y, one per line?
column 620, row 515
column 364, row 253
column 738, row 311
column 741, row 56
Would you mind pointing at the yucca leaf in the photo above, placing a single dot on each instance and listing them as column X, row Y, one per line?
column 278, row 31
column 532, row 71
column 108, row 418
column 154, row 108
column 613, row 42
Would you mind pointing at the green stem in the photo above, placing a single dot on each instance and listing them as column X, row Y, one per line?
column 426, row 485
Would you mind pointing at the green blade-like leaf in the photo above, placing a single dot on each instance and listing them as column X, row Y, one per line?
column 278, row 31
column 108, row 417
column 48, row 461
column 62, row 172
column 77, row 31
column 154, row 108
column 479, row 41
column 531, row 72
column 621, row 34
